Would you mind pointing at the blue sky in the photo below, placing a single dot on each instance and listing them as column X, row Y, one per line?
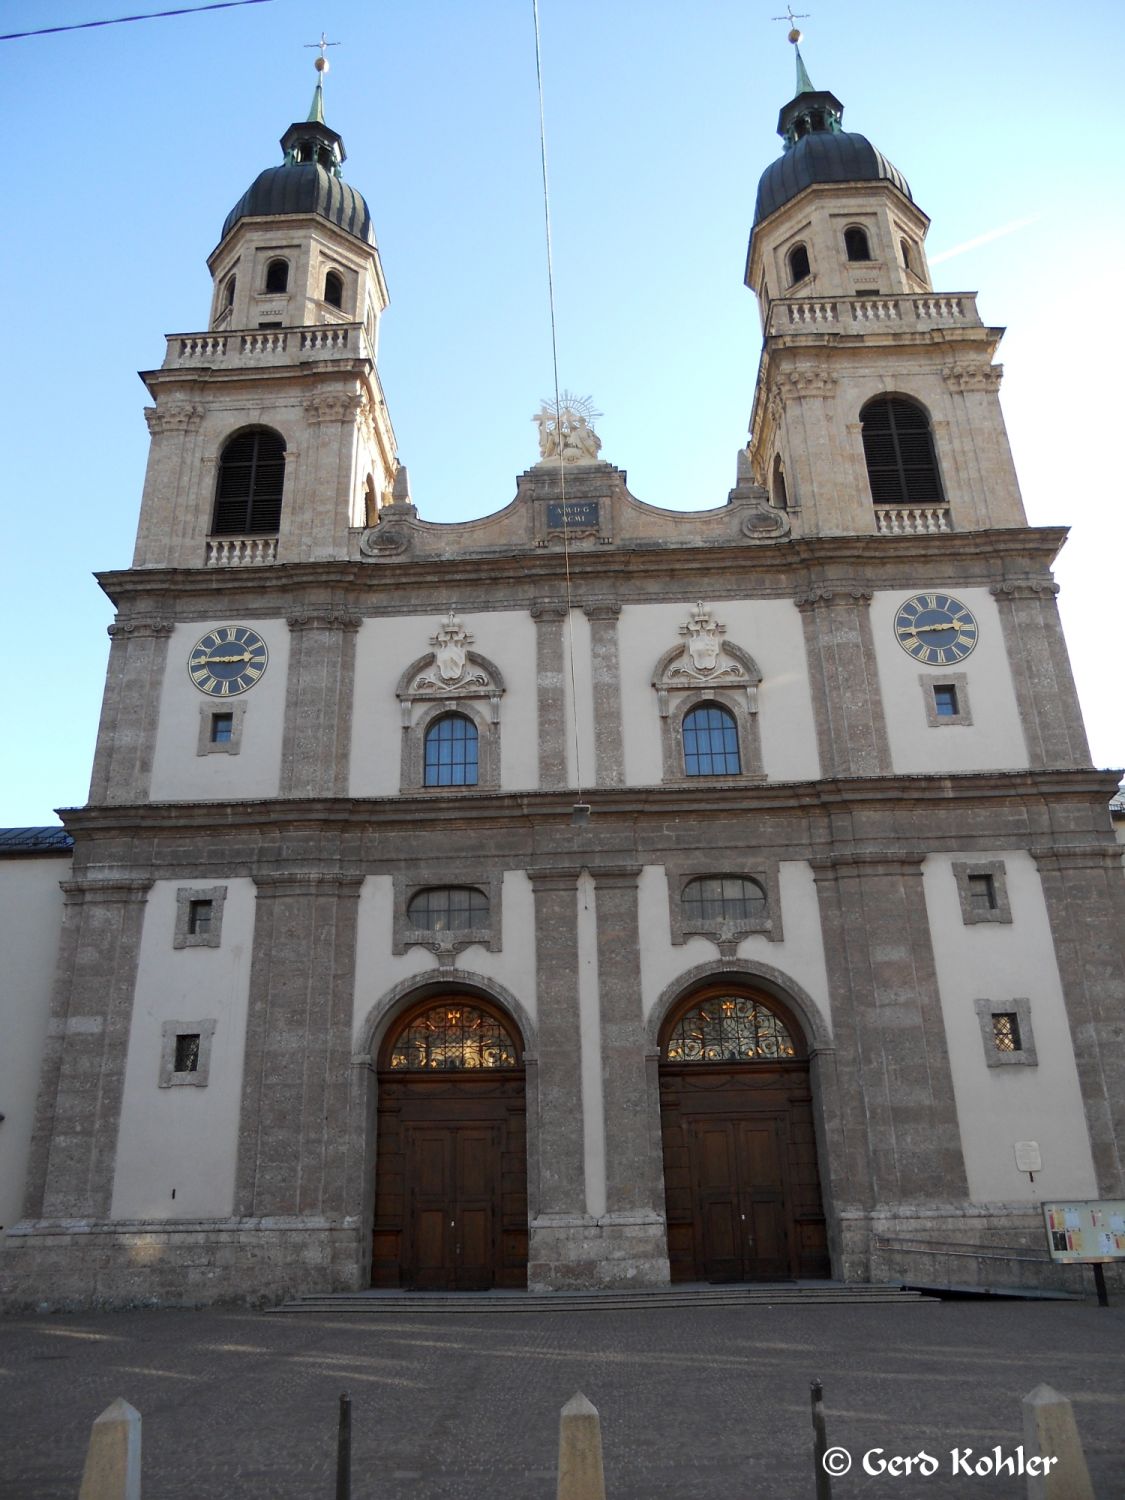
column 130, row 143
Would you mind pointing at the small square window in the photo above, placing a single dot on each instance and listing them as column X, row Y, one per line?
column 222, row 729
column 982, row 892
column 945, row 700
column 1006, row 1031
column 199, row 918
column 187, row 1052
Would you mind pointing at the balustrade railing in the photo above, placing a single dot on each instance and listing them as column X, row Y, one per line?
column 273, row 345
column 957, row 308
column 912, row 520
column 240, row 551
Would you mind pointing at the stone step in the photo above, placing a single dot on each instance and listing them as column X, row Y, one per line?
column 444, row 1303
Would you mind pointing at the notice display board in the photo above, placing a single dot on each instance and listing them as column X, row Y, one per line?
column 1085, row 1233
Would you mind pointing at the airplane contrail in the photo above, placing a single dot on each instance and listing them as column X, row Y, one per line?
column 984, row 239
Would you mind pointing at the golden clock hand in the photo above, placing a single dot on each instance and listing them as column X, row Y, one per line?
column 212, row 660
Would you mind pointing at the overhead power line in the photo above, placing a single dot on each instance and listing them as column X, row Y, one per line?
column 151, row 15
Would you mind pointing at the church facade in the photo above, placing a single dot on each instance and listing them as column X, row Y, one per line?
column 589, row 894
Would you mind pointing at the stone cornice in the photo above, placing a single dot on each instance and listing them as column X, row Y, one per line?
column 625, row 820
column 516, row 579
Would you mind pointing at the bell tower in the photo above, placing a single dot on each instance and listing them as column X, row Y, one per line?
column 271, row 439
column 876, row 407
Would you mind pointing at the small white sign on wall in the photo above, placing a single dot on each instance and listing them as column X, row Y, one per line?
column 1028, row 1156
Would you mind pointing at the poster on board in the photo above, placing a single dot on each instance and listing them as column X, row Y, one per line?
column 1083, row 1232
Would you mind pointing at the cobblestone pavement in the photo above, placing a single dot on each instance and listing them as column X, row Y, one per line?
column 696, row 1404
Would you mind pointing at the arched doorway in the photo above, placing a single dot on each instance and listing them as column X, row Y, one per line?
column 451, row 1152
column 740, row 1171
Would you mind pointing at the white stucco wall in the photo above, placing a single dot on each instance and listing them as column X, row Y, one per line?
column 998, row 1106
column 379, row 971
column 770, row 630
column 179, row 772
column 993, row 741
column 800, row 956
column 185, row 1138
column 30, row 921
column 386, row 647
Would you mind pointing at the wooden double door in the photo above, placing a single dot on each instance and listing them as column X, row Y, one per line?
column 451, row 1183
column 741, row 1182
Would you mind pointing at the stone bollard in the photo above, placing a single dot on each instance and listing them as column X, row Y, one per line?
column 580, row 1451
column 113, row 1459
column 1049, row 1431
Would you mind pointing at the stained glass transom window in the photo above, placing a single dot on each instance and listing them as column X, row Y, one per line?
column 723, row 898
column 451, row 1038
column 451, row 752
column 711, row 743
column 448, row 908
column 729, row 1028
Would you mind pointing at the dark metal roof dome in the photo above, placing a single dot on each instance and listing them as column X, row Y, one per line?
column 818, row 149
column 823, row 156
column 308, row 181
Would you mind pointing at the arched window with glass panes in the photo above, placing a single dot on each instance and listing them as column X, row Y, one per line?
column 898, row 447
column 710, row 736
column 448, row 908
column 715, row 899
column 729, row 1027
column 451, row 752
column 250, row 484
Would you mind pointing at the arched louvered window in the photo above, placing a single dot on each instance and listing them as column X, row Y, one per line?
column 277, row 276
column 251, row 479
column 451, row 752
column 448, row 908
column 780, row 493
column 711, row 742
column 228, row 293
column 904, row 247
column 899, row 449
column 334, row 289
column 799, row 266
column 856, row 244
column 723, row 898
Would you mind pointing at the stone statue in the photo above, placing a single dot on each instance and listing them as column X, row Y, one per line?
column 566, row 431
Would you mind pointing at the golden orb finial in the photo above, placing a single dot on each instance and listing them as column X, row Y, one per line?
column 795, row 36
column 321, row 64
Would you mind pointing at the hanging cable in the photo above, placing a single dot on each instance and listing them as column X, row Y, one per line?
column 558, row 408
column 151, row 15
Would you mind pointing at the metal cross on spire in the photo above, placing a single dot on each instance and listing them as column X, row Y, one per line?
column 321, row 64
column 794, row 32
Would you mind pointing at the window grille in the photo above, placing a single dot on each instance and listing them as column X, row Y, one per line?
column 187, row 1053
column 449, row 1038
column 711, row 742
column 729, row 1028
column 1006, row 1031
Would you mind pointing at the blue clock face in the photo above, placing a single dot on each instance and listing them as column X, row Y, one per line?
column 935, row 629
column 227, row 661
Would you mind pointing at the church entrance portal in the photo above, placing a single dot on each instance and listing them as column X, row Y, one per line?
column 451, row 1154
column 740, row 1171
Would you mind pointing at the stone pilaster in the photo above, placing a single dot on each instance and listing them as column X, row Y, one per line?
column 609, row 750
column 295, row 1132
column 74, row 1147
column 130, row 711
column 1085, row 896
column 561, row 1189
column 1048, row 704
column 316, row 740
column 898, row 1120
column 633, row 1163
column 851, row 731
column 549, row 620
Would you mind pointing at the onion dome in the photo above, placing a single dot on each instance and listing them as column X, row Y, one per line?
column 819, row 149
column 308, row 181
